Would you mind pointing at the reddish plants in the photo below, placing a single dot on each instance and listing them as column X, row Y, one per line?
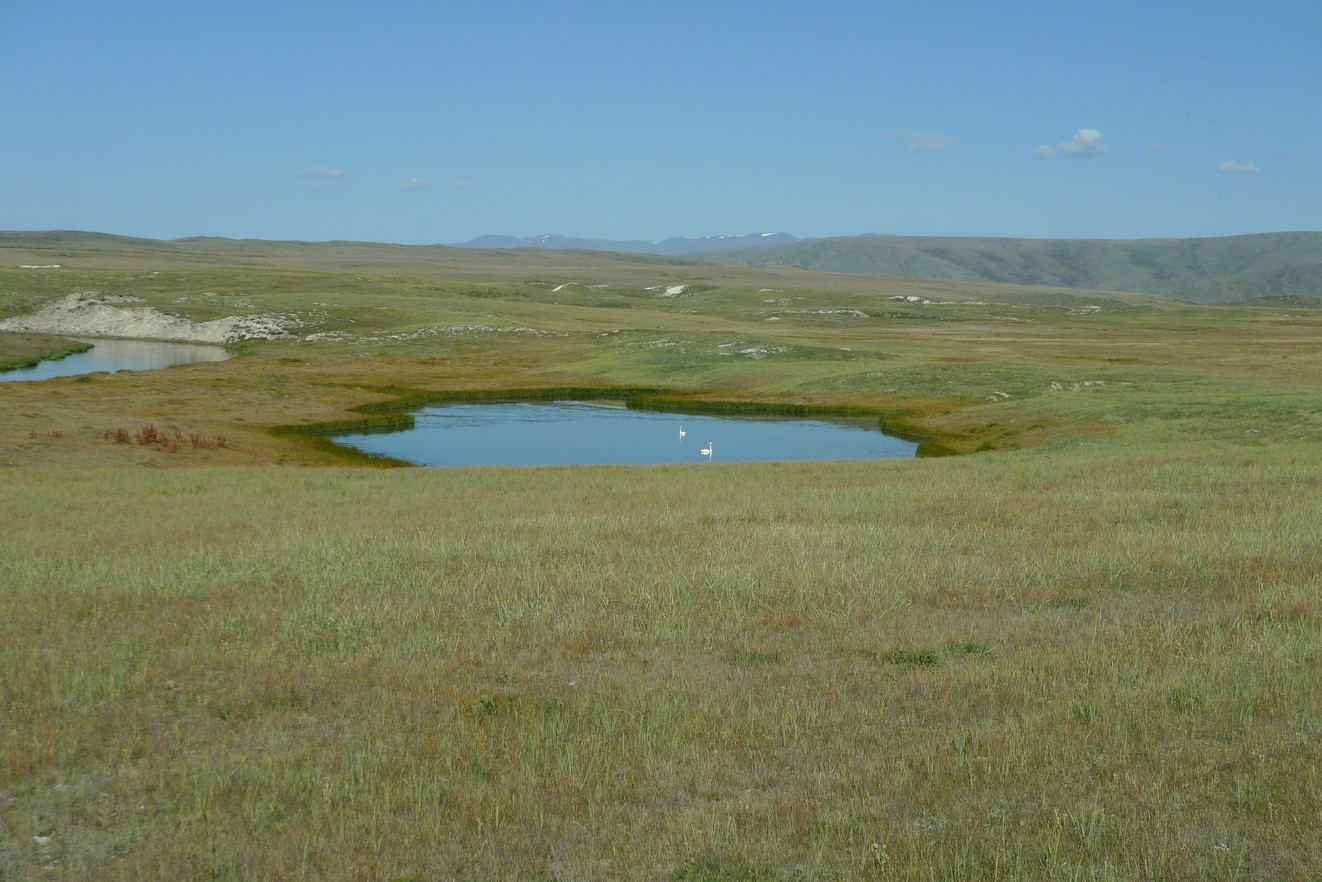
column 149, row 435
column 208, row 442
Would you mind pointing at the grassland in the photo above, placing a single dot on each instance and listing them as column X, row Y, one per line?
column 1229, row 269
column 28, row 350
column 1089, row 650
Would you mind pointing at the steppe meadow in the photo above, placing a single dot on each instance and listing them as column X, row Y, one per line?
column 1078, row 638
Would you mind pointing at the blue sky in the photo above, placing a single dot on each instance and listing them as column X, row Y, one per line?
column 432, row 122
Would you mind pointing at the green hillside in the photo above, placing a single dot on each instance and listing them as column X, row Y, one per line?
column 1283, row 268
column 1278, row 266
column 71, row 251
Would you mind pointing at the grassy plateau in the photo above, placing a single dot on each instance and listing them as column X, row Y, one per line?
column 1089, row 647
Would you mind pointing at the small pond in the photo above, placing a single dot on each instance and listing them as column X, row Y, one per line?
column 587, row 433
column 119, row 355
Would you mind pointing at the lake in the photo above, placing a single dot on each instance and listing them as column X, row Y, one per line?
column 119, row 355
column 587, row 433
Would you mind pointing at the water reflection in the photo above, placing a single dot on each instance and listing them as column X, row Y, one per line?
column 120, row 355
column 583, row 433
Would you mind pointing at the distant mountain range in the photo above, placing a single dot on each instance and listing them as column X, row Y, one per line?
column 1276, row 267
column 1265, row 266
column 685, row 246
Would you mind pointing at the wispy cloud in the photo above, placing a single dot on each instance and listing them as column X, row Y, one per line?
column 321, row 173
column 1085, row 144
column 919, row 142
column 414, row 184
column 465, row 185
column 1231, row 167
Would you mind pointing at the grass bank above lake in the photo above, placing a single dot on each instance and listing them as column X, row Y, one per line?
column 25, row 350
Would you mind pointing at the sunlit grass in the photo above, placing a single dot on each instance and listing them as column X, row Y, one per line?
column 464, row 673
column 1088, row 652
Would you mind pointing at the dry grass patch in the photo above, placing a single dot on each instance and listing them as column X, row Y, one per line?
column 477, row 673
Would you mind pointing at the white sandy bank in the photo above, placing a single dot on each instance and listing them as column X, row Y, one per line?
column 93, row 314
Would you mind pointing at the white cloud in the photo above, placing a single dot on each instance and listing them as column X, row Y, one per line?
column 919, row 142
column 1238, row 168
column 415, row 184
column 321, row 173
column 1085, row 143
column 465, row 185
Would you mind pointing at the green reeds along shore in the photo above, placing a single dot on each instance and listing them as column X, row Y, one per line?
column 1088, row 650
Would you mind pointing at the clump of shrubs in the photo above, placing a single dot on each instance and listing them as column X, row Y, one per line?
column 149, row 435
column 207, row 442
column 919, row 658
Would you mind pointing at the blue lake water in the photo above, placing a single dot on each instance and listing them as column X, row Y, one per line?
column 585, row 433
column 119, row 355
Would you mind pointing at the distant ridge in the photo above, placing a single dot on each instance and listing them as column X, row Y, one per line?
column 680, row 246
column 1282, row 269
column 1262, row 266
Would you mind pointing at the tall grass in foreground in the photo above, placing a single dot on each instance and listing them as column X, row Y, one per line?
column 1015, row 666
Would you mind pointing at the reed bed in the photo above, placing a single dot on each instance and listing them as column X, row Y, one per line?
column 1087, row 669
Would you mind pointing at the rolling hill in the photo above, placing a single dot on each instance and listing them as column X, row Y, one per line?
column 1277, row 268
column 65, row 251
column 1268, row 266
